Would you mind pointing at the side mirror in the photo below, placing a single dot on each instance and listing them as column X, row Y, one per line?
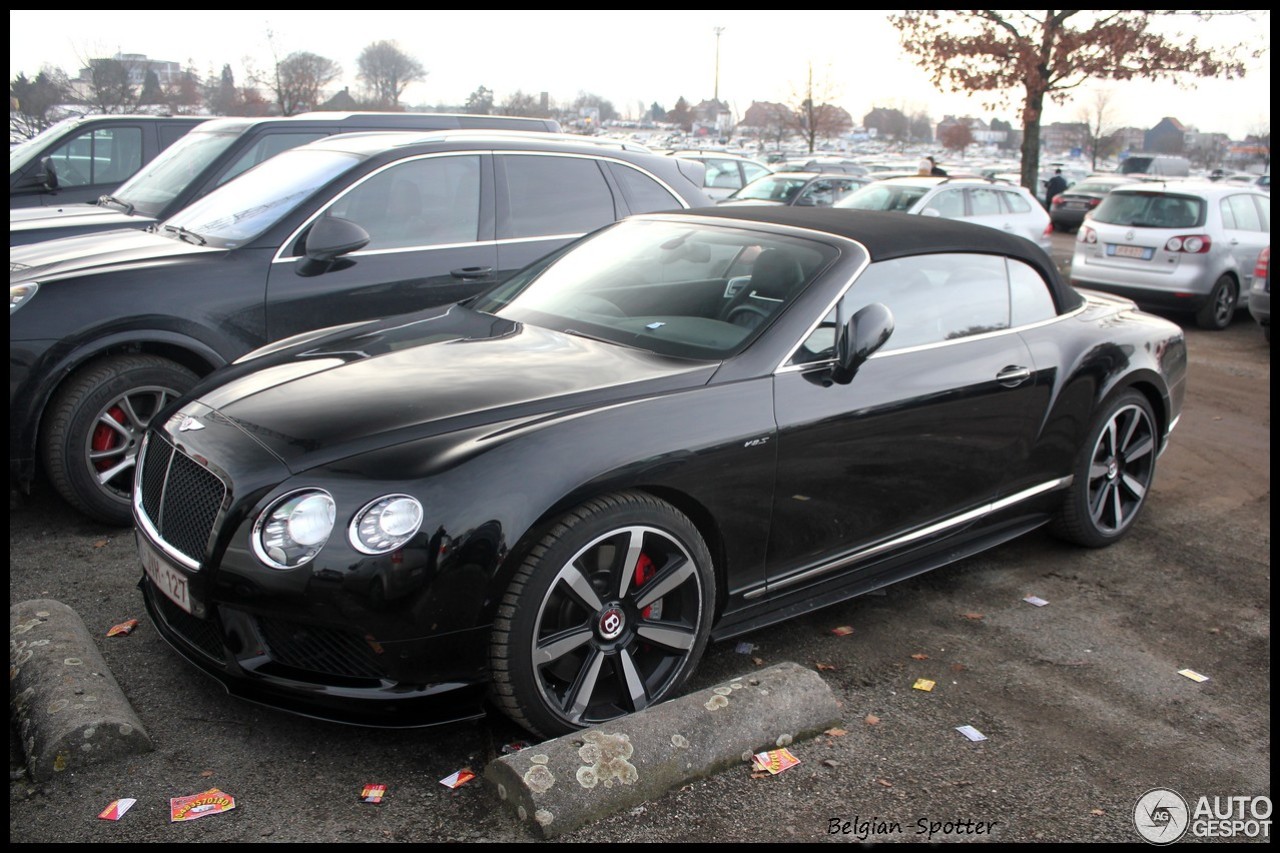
column 806, row 201
column 865, row 333
column 930, row 211
column 332, row 237
column 47, row 177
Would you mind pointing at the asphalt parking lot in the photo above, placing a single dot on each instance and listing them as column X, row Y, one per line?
column 1080, row 700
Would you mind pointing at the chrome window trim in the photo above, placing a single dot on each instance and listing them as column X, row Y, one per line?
column 874, row 550
column 279, row 256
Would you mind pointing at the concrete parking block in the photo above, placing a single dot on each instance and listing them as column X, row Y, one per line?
column 562, row 784
column 69, row 708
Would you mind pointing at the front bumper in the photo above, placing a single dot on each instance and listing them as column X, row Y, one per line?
column 276, row 663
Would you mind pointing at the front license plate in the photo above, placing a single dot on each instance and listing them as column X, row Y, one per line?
column 1131, row 252
column 167, row 579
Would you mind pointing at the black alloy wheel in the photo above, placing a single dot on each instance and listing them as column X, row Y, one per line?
column 1113, row 475
column 609, row 613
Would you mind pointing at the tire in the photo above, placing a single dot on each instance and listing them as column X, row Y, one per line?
column 573, row 645
column 1217, row 313
column 93, row 429
column 1113, row 474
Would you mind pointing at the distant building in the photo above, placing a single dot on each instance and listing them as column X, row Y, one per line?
column 138, row 65
column 1129, row 138
column 341, row 102
column 1064, row 136
column 1167, row 137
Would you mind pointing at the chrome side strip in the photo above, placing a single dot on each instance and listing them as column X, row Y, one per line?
column 874, row 550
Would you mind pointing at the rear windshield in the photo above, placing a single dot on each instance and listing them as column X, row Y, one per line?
column 1151, row 210
column 884, row 197
column 1136, row 164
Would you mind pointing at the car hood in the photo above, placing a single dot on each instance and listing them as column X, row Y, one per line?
column 28, row 218
column 99, row 252
column 442, row 370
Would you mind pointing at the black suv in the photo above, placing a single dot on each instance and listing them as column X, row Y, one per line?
column 106, row 328
column 79, row 159
column 214, row 153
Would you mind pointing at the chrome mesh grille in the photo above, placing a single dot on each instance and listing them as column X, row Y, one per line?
column 180, row 497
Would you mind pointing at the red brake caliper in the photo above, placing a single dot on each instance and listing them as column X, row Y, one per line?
column 644, row 571
column 104, row 438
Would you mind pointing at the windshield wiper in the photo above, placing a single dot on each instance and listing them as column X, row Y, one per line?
column 189, row 236
column 123, row 205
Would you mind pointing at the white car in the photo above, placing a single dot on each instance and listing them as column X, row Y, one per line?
column 982, row 202
column 1188, row 246
column 726, row 173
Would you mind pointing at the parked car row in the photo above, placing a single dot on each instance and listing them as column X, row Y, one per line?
column 107, row 328
column 408, row 420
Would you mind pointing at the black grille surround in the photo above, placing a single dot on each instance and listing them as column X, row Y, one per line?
column 179, row 497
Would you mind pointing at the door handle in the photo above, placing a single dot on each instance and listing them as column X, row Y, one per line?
column 1013, row 376
column 467, row 273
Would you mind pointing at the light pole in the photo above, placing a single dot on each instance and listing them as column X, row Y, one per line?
column 716, row 96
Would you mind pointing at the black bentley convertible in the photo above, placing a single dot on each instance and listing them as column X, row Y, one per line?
column 678, row 429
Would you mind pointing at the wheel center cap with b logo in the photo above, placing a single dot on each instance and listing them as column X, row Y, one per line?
column 611, row 623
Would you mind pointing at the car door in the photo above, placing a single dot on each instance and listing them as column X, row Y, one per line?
column 95, row 162
column 429, row 220
column 920, row 441
column 545, row 200
column 1246, row 220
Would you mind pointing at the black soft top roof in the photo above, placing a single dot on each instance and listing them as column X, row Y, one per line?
column 889, row 235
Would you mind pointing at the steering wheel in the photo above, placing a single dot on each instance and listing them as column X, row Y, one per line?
column 747, row 315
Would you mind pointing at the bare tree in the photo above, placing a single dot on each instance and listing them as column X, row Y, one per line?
column 1095, row 113
column 386, row 72
column 110, row 85
column 480, row 102
column 1048, row 53
column 299, row 80
column 34, row 104
column 520, row 104
column 814, row 114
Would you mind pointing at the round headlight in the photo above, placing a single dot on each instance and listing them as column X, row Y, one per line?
column 294, row 529
column 385, row 524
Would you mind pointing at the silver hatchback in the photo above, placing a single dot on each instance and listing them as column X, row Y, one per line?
column 1187, row 246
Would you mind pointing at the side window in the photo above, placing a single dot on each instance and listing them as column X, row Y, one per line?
column 555, row 195
column 1245, row 213
column 752, row 171
column 723, row 174
column 1015, row 203
column 1029, row 298
column 427, row 202
column 266, row 148
column 170, row 134
column 933, row 298
column 1264, row 211
column 1228, row 215
column 985, row 202
column 104, row 156
column 949, row 204
column 643, row 193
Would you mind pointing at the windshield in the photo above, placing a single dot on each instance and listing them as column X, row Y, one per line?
column 1150, row 210
column 1136, row 164
column 22, row 153
column 242, row 209
column 161, row 180
column 884, row 197
column 692, row 290
column 772, row 188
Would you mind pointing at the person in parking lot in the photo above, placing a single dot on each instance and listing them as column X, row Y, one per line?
column 935, row 169
column 1055, row 185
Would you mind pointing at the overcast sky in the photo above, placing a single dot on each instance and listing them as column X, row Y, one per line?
column 632, row 57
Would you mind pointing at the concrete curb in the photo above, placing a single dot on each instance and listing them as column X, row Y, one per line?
column 558, row 786
column 69, row 708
